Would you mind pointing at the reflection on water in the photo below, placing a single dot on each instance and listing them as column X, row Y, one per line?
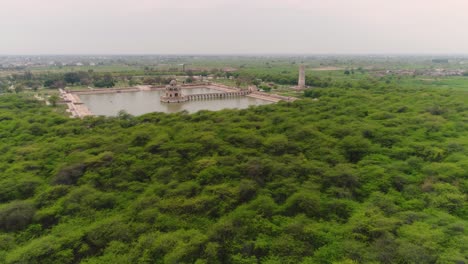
column 138, row 103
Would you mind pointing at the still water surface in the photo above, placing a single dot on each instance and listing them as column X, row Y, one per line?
column 138, row 103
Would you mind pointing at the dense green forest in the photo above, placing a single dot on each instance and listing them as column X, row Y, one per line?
column 358, row 176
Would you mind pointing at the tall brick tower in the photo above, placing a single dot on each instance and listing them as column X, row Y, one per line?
column 301, row 83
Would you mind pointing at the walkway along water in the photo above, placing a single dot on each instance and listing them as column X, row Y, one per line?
column 76, row 108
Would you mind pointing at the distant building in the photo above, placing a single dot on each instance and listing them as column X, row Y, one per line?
column 173, row 93
column 229, row 69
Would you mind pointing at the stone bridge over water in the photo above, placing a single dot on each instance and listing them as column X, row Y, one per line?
column 191, row 97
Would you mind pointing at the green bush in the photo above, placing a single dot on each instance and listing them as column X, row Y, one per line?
column 16, row 215
column 365, row 174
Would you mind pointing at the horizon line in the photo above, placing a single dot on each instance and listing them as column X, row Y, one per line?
column 238, row 54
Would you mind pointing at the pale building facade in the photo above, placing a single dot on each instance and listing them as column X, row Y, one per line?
column 173, row 93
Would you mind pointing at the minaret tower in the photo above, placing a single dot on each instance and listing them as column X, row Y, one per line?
column 301, row 83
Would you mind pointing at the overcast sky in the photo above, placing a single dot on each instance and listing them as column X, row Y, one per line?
column 233, row 26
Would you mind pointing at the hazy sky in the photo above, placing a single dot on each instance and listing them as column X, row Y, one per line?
column 233, row 26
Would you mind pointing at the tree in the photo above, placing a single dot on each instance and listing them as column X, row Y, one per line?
column 71, row 77
column 256, row 82
column 355, row 147
column 19, row 88
column 53, row 99
column 105, row 81
column 16, row 215
column 3, row 86
column 59, row 84
column 349, row 178
column 313, row 93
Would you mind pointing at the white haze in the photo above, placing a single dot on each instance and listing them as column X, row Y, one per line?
column 233, row 26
